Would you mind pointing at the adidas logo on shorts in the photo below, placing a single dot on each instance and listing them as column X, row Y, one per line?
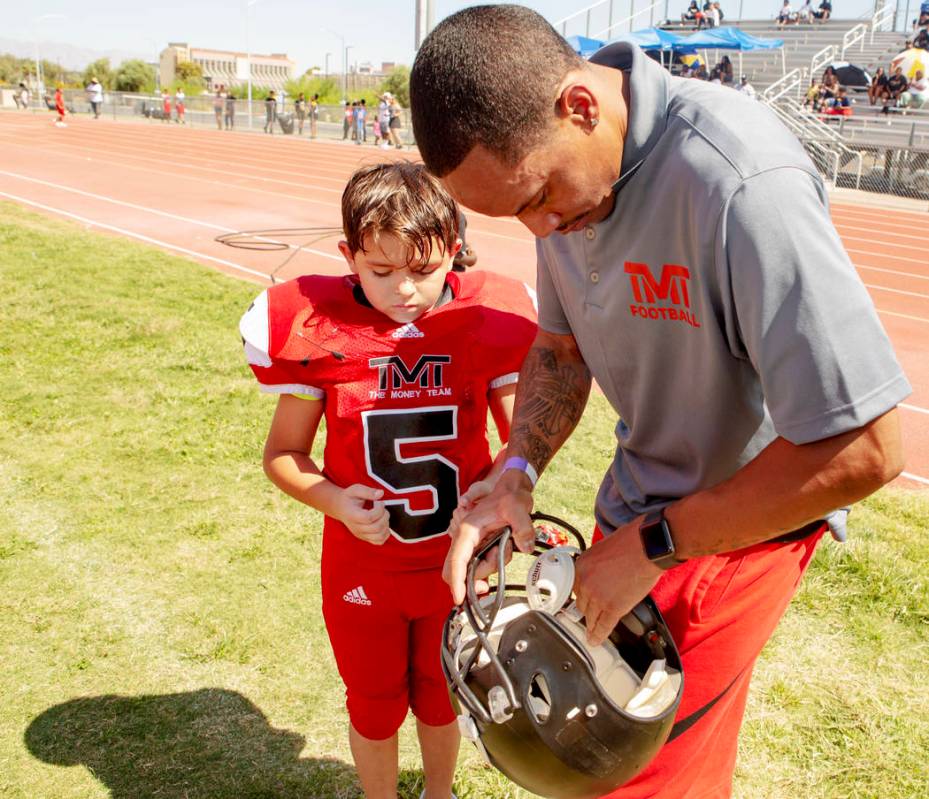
column 357, row 596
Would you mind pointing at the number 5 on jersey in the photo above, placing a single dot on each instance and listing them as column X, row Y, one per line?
column 385, row 433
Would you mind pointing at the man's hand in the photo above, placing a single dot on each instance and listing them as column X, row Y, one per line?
column 357, row 507
column 508, row 505
column 611, row 578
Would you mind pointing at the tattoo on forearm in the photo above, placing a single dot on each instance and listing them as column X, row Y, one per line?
column 550, row 400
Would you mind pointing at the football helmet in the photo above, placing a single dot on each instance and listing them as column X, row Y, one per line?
column 559, row 717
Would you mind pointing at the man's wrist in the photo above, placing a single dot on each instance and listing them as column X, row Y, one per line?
column 518, row 464
column 515, row 480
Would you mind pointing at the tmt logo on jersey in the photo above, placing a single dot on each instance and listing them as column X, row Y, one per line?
column 672, row 288
column 395, row 380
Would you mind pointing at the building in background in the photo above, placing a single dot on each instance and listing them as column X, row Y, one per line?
column 225, row 67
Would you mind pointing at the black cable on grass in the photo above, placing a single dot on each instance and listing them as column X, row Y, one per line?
column 273, row 240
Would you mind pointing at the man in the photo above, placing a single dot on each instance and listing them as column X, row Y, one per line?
column 95, row 96
column 917, row 92
column 745, row 87
column 751, row 408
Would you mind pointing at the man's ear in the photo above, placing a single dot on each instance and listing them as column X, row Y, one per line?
column 348, row 255
column 578, row 103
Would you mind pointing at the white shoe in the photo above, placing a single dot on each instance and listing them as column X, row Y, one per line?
column 423, row 795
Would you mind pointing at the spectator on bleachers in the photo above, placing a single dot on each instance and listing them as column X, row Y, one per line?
column 923, row 20
column 878, row 88
column 713, row 16
column 786, row 14
column 805, row 12
column 813, row 94
column 839, row 105
column 825, row 11
column 725, row 70
column 830, row 84
column 745, row 87
column 917, row 93
column 692, row 14
column 896, row 85
column 922, row 40
column 715, row 76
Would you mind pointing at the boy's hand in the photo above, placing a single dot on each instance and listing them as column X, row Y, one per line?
column 360, row 511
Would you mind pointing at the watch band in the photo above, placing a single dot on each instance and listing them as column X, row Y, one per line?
column 522, row 465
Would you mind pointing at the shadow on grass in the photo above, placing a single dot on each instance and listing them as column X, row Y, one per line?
column 206, row 744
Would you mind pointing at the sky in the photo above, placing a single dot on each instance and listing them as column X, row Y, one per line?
column 376, row 30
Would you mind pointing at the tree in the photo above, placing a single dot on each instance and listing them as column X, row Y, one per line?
column 101, row 70
column 134, row 76
column 398, row 84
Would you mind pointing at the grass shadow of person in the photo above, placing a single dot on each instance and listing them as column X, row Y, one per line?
column 205, row 744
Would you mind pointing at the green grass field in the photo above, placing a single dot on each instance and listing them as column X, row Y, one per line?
column 161, row 631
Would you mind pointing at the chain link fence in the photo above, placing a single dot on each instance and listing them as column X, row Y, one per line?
column 200, row 112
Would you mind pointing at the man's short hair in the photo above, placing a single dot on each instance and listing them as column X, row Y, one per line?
column 486, row 75
column 401, row 199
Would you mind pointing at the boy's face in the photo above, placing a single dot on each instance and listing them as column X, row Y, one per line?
column 400, row 291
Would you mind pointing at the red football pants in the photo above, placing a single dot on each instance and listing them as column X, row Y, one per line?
column 721, row 611
column 386, row 631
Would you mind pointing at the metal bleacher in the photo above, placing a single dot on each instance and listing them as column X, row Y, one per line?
column 870, row 149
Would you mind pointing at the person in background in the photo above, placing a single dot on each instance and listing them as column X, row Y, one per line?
column 348, row 116
column 179, row 107
column 692, row 14
column 219, row 106
column 300, row 112
column 896, row 86
column 786, row 14
column 314, row 115
column 95, row 96
column 915, row 95
column 270, row 112
column 60, row 107
column 21, row 96
column 361, row 120
column 383, row 118
column 840, row 105
column 805, row 12
column 393, row 126
column 825, row 11
column 745, row 87
column 878, row 88
column 165, row 106
column 229, row 116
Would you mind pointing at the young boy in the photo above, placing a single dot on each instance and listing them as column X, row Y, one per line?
column 60, row 107
column 404, row 358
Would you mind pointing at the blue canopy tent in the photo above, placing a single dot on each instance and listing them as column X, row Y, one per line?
column 584, row 46
column 726, row 38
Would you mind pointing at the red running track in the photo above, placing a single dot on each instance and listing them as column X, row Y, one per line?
column 178, row 188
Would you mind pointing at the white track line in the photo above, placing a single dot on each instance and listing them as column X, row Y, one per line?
column 915, row 408
column 914, row 477
column 139, row 236
column 157, row 212
column 903, row 315
column 898, row 291
column 920, row 261
column 891, row 271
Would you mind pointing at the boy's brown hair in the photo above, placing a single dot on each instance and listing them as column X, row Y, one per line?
column 401, row 199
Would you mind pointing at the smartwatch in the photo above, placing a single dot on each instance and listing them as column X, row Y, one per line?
column 657, row 541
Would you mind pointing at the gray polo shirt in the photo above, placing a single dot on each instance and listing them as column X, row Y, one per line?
column 715, row 306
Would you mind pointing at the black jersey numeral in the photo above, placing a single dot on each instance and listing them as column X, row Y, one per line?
column 385, row 433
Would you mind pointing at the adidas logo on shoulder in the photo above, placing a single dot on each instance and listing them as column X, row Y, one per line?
column 356, row 596
column 409, row 330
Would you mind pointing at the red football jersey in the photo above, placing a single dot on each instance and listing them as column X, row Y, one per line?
column 406, row 404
